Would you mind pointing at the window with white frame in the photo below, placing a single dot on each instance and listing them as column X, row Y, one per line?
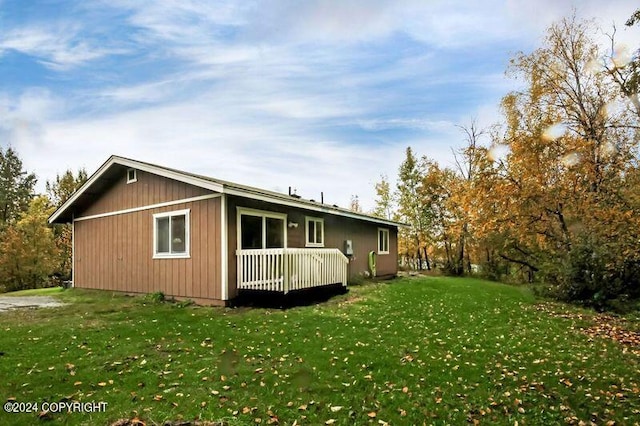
column 171, row 234
column 132, row 176
column 314, row 228
column 261, row 229
column 383, row 241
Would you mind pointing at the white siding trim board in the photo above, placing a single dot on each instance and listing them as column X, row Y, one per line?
column 224, row 249
column 150, row 206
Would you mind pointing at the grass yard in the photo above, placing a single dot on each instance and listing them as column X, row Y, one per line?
column 411, row 351
column 50, row 291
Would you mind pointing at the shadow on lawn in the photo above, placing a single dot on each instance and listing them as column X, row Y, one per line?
column 276, row 300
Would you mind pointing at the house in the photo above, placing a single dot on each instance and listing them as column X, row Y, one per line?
column 143, row 228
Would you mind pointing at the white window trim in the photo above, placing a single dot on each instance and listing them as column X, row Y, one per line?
column 135, row 176
column 385, row 231
column 308, row 219
column 187, row 235
column 240, row 211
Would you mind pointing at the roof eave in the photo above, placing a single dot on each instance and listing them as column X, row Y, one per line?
column 282, row 199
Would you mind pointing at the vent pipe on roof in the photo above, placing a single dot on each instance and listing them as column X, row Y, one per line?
column 293, row 194
column 321, row 197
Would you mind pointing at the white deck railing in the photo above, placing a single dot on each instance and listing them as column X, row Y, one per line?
column 284, row 270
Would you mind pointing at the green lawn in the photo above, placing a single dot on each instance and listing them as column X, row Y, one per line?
column 48, row 291
column 409, row 351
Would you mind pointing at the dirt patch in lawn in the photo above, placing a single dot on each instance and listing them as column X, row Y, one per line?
column 21, row 302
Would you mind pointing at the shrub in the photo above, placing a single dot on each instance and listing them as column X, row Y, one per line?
column 156, row 297
column 594, row 274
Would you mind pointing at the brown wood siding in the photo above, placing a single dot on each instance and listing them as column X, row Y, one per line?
column 149, row 189
column 116, row 252
column 337, row 229
column 364, row 236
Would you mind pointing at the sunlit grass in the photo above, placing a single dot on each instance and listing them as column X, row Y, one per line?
column 35, row 292
column 434, row 350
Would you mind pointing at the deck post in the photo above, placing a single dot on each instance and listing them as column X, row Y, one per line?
column 285, row 270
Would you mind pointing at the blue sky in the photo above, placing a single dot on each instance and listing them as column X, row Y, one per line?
column 318, row 95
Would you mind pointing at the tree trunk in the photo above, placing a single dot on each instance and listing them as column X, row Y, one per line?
column 426, row 258
column 459, row 267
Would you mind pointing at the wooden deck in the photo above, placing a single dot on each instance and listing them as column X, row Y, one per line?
column 284, row 270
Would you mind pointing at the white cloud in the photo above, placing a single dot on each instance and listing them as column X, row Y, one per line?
column 191, row 138
column 22, row 119
column 57, row 47
column 147, row 92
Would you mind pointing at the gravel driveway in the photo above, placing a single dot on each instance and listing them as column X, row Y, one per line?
column 16, row 302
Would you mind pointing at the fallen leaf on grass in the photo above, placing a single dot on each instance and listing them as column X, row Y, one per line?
column 129, row 422
column 566, row 382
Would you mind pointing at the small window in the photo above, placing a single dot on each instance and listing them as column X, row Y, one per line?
column 171, row 234
column 132, row 176
column 315, row 232
column 383, row 241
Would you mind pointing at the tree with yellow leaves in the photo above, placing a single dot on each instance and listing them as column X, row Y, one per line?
column 560, row 196
column 28, row 253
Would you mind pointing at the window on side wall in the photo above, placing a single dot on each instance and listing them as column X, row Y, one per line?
column 171, row 234
column 383, row 241
column 314, row 229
